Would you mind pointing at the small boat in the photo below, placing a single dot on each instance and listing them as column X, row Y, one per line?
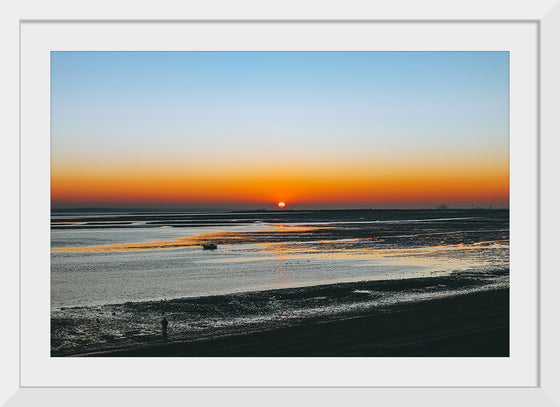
column 209, row 246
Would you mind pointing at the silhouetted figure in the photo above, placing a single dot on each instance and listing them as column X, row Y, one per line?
column 164, row 324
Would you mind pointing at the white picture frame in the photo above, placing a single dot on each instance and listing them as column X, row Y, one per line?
column 545, row 14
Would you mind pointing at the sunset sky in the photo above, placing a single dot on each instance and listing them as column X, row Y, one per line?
column 243, row 130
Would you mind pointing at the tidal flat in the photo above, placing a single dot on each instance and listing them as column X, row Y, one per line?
column 278, row 275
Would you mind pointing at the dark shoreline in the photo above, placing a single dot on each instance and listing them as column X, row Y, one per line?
column 467, row 325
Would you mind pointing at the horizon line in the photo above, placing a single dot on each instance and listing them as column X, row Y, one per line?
column 148, row 209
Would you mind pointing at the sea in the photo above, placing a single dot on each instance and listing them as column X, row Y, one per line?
column 112, row 266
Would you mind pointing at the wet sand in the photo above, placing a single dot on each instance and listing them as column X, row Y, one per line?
column 468, row 325
column 412, row 316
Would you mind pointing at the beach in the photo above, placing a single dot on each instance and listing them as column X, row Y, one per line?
column 449, row 316
column 338, row 283
column 475, row 324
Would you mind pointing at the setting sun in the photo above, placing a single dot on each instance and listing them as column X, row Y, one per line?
column 281, row 204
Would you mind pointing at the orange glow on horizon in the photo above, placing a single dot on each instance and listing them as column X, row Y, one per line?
column 355, row 183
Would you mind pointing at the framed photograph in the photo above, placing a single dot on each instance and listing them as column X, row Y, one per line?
column 287, row 204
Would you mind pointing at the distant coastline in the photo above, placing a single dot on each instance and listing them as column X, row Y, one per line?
column 230, row 210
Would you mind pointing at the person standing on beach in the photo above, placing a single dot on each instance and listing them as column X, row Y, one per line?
column 164, row 324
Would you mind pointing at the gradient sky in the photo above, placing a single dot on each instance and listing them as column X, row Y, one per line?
column 248, row 129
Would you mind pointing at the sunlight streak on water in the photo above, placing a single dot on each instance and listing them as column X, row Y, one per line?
column 114, row 265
